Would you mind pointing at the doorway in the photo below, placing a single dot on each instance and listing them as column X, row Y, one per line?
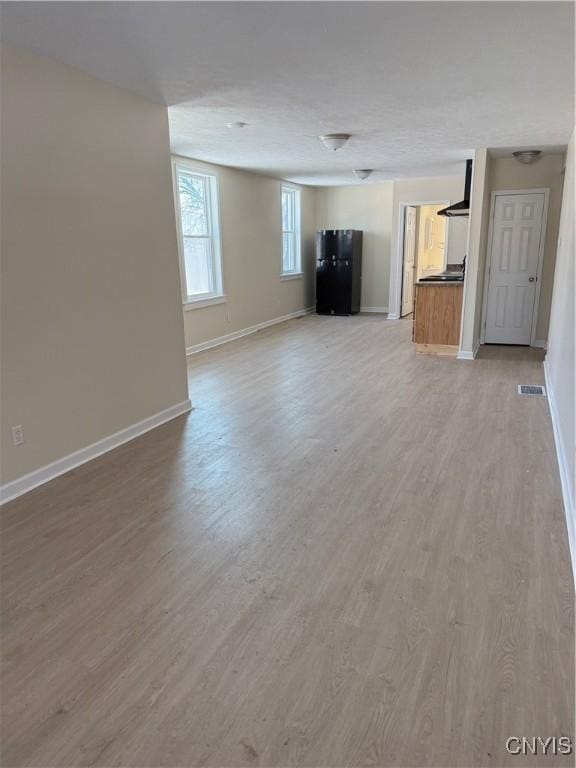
column 514, row 266
column 424, row 248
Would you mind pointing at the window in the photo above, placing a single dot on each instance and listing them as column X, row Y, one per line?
column 291, row 264
column 198, row 235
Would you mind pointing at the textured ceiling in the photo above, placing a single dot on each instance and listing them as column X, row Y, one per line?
column 418, row 85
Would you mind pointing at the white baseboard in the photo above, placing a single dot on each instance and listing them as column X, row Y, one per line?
column 393, row 316
column 562, row 456
column 375, row 310
column 48, row 472
column 465, row 354
column 540, row 343
column 245, row 331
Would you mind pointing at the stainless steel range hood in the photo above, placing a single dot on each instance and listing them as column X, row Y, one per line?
column 463, row 207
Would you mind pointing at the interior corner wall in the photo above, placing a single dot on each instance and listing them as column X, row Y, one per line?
column 506, row 173
column 92, row 332
column 367, row 207
column 251, row 232
column 560, row 360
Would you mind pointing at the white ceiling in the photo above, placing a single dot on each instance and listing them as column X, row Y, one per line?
column 418, row 85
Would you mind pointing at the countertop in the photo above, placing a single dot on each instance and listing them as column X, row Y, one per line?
column 440, row 282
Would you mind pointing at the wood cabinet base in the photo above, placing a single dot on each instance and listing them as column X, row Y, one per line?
column 444, row 350
column 438, row 310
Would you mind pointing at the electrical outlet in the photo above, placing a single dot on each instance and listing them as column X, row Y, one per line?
column 17, row 434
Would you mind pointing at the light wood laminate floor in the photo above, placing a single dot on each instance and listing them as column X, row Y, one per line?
column 346, row 555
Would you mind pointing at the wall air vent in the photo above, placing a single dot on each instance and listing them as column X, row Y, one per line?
column 531, row 389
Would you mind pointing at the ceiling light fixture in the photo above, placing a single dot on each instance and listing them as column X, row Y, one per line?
column 334, row 141
column 363, row 173
column 527, row 156
column 238, row 124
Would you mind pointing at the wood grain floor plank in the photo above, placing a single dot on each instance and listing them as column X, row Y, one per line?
column 346, row 555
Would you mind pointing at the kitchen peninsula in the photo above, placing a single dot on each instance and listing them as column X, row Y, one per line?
column 437, row 314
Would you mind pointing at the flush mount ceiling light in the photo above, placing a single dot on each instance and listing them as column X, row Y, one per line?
column 238, row 124
column 363, row 173
column 527, row 156
column 334, row 141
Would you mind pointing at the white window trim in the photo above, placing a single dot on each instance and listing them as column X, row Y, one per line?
column 296, row 273
column 197, row 301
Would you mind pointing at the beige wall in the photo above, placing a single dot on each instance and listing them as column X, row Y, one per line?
column 92, row 336
column 560, row 355
column 250, row 225
column 507, row 173
column 369, row 208
column 482, row 248
column 473, row 284
column 449, row 188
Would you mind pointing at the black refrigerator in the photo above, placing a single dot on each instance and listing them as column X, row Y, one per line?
column 338, row 271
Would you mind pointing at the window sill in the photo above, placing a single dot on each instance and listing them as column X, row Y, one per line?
column 292, row 276
column 199, row 303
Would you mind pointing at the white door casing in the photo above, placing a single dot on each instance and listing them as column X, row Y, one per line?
column 409, row 262
column 516, row 249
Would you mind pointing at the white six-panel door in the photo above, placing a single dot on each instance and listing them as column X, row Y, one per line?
column 517, row 228
column 409, row 262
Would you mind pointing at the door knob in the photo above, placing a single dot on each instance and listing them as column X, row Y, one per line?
column 531, row 279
